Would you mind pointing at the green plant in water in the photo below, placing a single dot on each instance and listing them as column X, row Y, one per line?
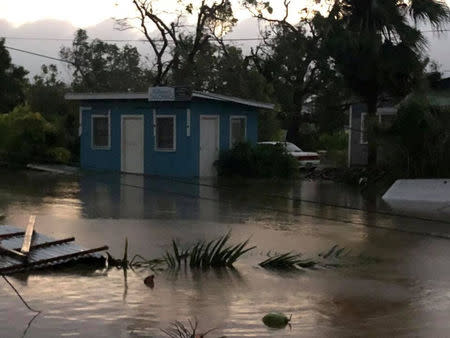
column 331, row 258
column 178, row 330
column 215, row 253
column 287, row 261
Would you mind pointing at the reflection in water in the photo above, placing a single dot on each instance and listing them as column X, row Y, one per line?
column 405, row 294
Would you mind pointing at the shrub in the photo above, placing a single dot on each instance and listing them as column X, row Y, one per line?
column 335, row 141
column 257, row 161
column 25, row 136
column 418, row 143
column 59, row 155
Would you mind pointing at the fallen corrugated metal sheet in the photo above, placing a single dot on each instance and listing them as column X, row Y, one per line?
column 44, row 251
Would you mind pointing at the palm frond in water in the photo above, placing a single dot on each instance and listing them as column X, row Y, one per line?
column 287, row 261
column 215, row 253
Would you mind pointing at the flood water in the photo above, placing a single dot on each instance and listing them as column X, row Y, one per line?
column 403, row 291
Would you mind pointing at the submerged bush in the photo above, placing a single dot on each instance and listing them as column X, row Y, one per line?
column 259, row 160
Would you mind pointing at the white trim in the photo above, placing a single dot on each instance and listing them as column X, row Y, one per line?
column 188, row 122
column 245, row 129
column 174, row 148
column 350, row 132
column 122, row 148
column 108, row 116
column 105, row 96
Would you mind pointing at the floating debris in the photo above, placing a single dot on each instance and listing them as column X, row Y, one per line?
column 150, row 281
column 20, row 250
column 178, row 330
column 276, row 320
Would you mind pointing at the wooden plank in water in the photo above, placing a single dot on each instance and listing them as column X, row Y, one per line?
column 28, row 265
column 11, row 252
column 28, row 235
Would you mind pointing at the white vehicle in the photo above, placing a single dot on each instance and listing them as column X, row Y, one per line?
column 305, row 159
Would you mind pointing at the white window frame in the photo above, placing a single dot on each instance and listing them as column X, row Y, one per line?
column 93, row 146
column 174, row 148
column 245, row 129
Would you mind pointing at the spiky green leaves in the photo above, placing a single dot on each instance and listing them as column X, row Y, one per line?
column 215, row 253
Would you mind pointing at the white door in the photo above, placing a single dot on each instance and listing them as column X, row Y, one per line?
column 209, row 145
column 133, row 144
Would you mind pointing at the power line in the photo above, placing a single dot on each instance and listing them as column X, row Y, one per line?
column 117, row 40
column 35, row 38
column 37, row 54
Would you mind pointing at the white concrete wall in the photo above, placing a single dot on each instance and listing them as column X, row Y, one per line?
column 423, row 190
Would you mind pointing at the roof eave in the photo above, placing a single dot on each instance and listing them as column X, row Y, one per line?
column 144, row 96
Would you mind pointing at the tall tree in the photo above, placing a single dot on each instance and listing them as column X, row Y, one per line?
column 46, row 93
column 175, row 48
column 13, row 81
column 100, row 66
column 293, row 59
column 379, row 49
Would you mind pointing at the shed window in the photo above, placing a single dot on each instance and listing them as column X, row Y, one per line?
column 100, row 131
column 165, row 133
column 238, row 129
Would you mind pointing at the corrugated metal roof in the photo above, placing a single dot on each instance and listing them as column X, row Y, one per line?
column 144, row 96
column 48, row 255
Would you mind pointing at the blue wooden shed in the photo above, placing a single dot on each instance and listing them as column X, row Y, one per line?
column 167, row 131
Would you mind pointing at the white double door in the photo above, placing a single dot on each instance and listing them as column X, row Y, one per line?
column 209, row 144
column 132, row 144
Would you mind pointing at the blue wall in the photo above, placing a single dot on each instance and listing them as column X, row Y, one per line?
column 184, row 162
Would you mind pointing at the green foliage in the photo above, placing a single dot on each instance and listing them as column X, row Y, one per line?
column 59, row 155
column 260, row 160
column 379, row 49
column 333, row 257
column 287, row 261
column 215, row 253
column 418, row 142
column 46, row 94
column 25, row 135
column 334, row 141
column 269, row 127
column 12, row 81
column 99, row 66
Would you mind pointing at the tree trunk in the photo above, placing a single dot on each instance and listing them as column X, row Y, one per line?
column 371, row 122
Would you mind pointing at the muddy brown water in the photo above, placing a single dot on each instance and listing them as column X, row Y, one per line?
column 405, row 291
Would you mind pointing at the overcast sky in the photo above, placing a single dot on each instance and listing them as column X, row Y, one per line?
column 58, row 19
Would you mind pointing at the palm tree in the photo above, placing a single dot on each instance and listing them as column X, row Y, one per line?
column 379, row 48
